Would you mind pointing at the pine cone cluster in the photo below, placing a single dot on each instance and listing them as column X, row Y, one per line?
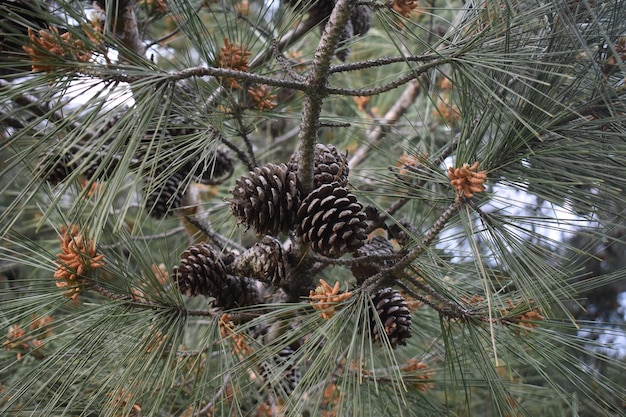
column 266, row 199
column 331, row 220
column 202, row 272
column 392, row 312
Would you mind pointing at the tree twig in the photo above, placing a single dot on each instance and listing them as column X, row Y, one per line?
column 391, row 117
column 317, row 90
column 126, row 29
column 385, row 274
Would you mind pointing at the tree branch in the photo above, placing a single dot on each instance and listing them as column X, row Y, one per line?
column 374, row 281
column 317, row 90
column 126, row 29
column 394, row 114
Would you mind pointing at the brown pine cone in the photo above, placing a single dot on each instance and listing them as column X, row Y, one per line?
column 265, row 261
column 267, row 199
column 376, row 246
column 202, row 272
column 328, row 165
column 166, row 197
column 393, row 314
column 331, row 220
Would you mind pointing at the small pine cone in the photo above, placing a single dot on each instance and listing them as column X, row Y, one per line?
column 218, row 169
column 290, row 375
column 331, row 219
column 394, row 314
column 237, row 292
column 329, row 165
column 343, row 50
column 377, row 246
column 360, row 19
column 167, row 197
column 267, row 199
column 265, row 261
column 201, row 271
column 56, row 170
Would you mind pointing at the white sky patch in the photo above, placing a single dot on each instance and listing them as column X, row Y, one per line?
column 539, row 221
column 85, row 90
column 609, row 339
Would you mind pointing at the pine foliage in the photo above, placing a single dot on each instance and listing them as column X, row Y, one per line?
column 312, row 208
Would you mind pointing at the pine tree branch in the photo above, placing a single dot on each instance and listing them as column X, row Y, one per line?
column 221, row 241
column 132, row 301
column 206, row 409
column 240, row 154
column 408, row 97
column 285, row 64
column 355, row 261
column 317, row 90
column 363, row 92
column 96, row 72
column 238, row 113
column 126, row 29
column 379, row 62
column 386, row 274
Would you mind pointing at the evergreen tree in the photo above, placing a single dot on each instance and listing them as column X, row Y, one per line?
column 311, row 207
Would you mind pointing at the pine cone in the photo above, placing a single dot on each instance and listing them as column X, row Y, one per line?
column 287, row 381
column 343, row 50
column 218, row 169
column 202, row 272
column 265, row 261
column 360, row 19
column 57, row 169
column 329, row 165
column 394, row 315
column 331, row 220
column 377, row 246
column 267, row 199
column 166, row 197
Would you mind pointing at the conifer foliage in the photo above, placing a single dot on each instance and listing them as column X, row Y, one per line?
column 311, row 207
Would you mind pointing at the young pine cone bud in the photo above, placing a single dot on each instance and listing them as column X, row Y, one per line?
column 265, row 261
column 202, row 272
column 166, row 197
column 267, row 199
column 331, row 219
column 393, row 314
